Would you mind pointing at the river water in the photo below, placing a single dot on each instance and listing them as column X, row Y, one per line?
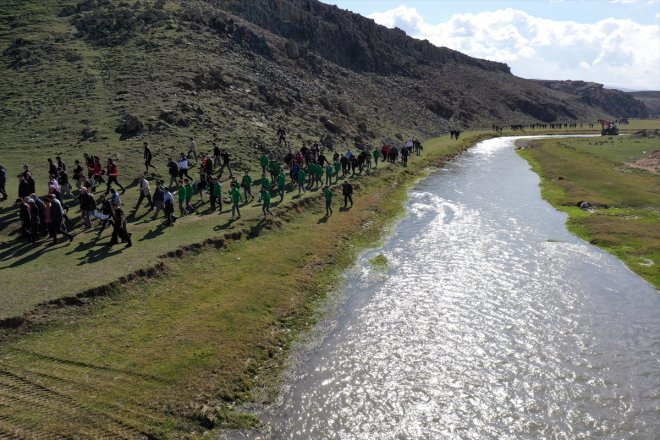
column 491, row 322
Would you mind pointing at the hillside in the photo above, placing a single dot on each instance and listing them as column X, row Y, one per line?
column 615, row 102
column 232, row 72
column 651, row 100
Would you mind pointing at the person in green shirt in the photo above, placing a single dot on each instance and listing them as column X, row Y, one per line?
column 337, row 166
column 246, row 183
column 327, row 192
column 264, row 161
column 376, row 155
column 265, row 204
column 281, row 184
column 182, row 198
column 275, row 169
column 301, row 181
column 235, row 202
column 328, row 174
column 189, row 193
column 264, row 182
column 216, row 193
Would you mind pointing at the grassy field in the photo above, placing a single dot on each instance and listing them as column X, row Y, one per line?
column 625, row 219
column 173, row 355
column 67, row 269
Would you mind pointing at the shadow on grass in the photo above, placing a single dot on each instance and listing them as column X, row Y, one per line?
column 153, row 233
column 99, row 252
column 19, row 246
column 38, row 252
column 8, row 216
column 323, row 219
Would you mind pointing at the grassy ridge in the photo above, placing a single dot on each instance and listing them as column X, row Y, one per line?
column 625, row 220
column 172, row 355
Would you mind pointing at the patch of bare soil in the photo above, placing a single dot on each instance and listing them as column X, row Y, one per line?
column 650, row 163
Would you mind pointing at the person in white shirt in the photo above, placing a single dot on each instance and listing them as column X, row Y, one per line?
column 183, row 167
column 145, row 192
column 193, row 148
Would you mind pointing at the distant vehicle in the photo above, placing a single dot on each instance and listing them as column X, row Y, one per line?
column 608, row 128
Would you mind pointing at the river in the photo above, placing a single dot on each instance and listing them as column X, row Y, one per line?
column 492, row 321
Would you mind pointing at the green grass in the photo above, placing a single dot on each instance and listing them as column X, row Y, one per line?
column 172, row 356
column 626, row 218
column 380, row 262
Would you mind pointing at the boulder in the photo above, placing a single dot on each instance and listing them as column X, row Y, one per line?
column 130, row 125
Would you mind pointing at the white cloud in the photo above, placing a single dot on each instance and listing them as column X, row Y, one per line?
column 611, row 51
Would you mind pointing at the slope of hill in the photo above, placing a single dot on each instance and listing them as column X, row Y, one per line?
column 651, row 99
column 232, row 72
column 615, row 102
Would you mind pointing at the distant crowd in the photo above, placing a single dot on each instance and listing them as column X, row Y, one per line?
column 94, row 185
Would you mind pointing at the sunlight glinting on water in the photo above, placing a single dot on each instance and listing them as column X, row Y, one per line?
column 492, row 321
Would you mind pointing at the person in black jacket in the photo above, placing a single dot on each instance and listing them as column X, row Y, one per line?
column 23, row 187
column 158, row 198
column 119, row 226
column 347, row 191
column 106, row 213
column 26, row 218
column 87, row 207
column 3, row 181
column 56, row 219
column 147, row 158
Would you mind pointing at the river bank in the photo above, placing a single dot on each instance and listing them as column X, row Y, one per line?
column 173, row 354
column 623, row 213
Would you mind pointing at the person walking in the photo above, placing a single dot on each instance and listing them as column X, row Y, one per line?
column 328, row 174
column 78, row 175
column 54, row 218
column 173, row 170
column 301, row 180
column 264, row 161
column 192, row 148
column 148, row 156
column 246, row 183
column 158, row 198
column 145, row 192
column 183, row 166
column 3, row 182
column 182, row 198
column 87, row 207
column 119, row 230
column 189, row 193
column 113, row 176
column 168, row 207
column 235, row 202
column 105, row 214
column 265, row 201
column 216, row 193
column 281, row 185
column 226, row 158
column 347, row 192
column 327, row 192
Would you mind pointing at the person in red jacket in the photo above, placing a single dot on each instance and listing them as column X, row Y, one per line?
column 113, row 174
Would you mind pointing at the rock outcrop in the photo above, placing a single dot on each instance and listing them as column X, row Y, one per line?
column 615, row 102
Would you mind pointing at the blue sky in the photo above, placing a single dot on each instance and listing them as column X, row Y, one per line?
column 615, row 42
column 589, row 11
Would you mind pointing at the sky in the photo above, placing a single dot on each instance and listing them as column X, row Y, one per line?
column 613, row 42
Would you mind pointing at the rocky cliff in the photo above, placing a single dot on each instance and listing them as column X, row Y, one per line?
column 651, row 99
column 96, row 73
column 615, row 102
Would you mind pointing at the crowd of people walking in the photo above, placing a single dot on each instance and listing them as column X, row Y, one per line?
column 96, row 188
